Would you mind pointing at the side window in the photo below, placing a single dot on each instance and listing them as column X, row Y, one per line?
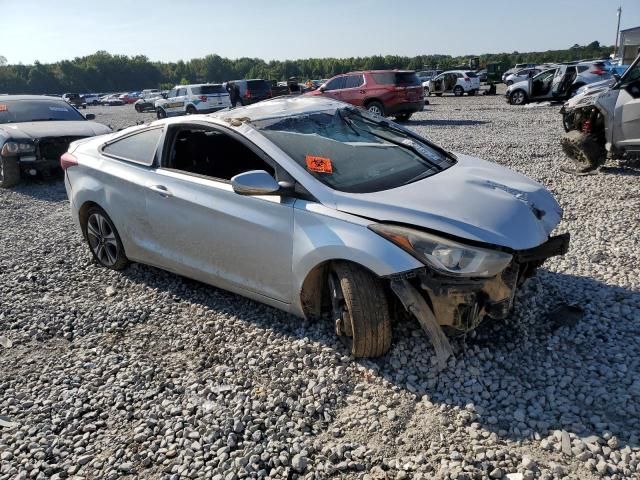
column 354, row 81
column 582, row 68
column 336, row 84
column 458, row 75
column 212, row 153
column 181, row 92
column 172, row 93
column 139, row 147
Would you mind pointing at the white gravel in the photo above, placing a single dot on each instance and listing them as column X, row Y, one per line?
column 143, row 374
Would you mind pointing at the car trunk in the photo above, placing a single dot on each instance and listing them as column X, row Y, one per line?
column 408, row 84
column 258, row 90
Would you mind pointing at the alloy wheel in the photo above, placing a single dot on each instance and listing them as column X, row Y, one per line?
column 102, row 239
column 375, row 110
column 518, row 98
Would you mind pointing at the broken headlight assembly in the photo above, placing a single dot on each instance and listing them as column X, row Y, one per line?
column 17, row 148
column 445, row 256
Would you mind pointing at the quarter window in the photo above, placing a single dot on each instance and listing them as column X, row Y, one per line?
column 139, row 147
column 354, row 81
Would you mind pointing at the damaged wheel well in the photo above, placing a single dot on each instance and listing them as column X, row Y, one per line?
column 83, row 214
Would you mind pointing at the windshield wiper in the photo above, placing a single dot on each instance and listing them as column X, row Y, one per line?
column 348, row 122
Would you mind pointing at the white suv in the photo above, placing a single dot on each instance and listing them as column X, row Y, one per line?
column 457, row 82
column 190, row 99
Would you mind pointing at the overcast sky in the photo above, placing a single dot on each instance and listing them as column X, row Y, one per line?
column 48, row 31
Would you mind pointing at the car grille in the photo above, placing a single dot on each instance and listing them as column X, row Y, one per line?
column 53, row 148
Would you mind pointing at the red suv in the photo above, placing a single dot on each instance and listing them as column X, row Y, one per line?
column 397, row 93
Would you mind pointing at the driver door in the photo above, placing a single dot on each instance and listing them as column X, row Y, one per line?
column 334, row 87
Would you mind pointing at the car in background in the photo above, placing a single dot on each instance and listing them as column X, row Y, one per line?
column 396, row 93
column 520, row 75
column 457, row 82
column 515, row 68
column 129, row 98
column 320, row 209
column 557, row 83
column 147, row 101
column 91, row 99
column 482, row 75
column 34, row 131
column 426, row 75
column 192, row 99
column 74, row 99
column 112, row 100
column 253, row 90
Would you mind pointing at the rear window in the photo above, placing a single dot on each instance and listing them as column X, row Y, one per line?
column 471, row 74
column 208, row 89
column 258, row 85
column 405, row 79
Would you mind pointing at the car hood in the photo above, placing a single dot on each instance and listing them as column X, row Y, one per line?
column 35, row 130
column 474, row 200
column 520, row 84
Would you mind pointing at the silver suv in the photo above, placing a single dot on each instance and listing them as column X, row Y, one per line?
column 604, row 123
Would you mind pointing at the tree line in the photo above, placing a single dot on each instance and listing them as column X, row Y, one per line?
column 104, row 72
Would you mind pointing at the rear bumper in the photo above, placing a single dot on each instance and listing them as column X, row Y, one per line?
column 408, row 107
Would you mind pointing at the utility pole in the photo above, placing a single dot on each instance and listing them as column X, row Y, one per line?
column 615, row 50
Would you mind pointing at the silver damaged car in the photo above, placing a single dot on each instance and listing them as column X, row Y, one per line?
column 320, row 209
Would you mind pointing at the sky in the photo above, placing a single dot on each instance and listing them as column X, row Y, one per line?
column 48, row 30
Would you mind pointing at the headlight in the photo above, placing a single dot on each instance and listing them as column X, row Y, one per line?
column 17, row 148
column 446, row 256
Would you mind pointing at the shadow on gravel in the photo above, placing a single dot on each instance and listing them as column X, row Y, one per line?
column 627, row 169
column 447, row 123
column 521, row 378
column 50, row 189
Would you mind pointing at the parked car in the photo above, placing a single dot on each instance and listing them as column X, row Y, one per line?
column 191, row 99
column 91, row 99
column 74, row 99
column 254, row 90
column 147, row 102
column 604, row 122
column 515, row 68
column 34, row 131
column 396, row 93
column 129, row 98
column 112, row 100
column 558, row 83
column 311, row 205
column 482, row 75
column 426, row 75
column 521, row 75
column 457, row 82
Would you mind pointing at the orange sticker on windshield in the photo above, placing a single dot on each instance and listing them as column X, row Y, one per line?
column 319, row 164
column 3, row 107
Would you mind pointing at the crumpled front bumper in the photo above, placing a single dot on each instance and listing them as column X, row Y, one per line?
column 462, row 303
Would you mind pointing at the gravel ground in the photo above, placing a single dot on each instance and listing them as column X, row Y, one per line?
column 144, row 374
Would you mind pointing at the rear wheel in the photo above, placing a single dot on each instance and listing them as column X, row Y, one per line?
column 471, row 93
column 585, row 150
column 104, row 241
column 458, row 91
column 191, row 110
column 403, row 117
column 161, row 113
column 360, row 310
column 518, row 98
column 376, row 108
column 9, row 172
column 138, row 108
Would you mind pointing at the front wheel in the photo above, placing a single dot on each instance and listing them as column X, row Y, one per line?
column 360, row 310
column 518, row 98
column 161, row 113
column 585, row 150
column 191, row 110
column 376, row 108
column 403, row 117
column 138, row 108
column 458, row 91
column 9, row 172
column 104, row 241
column 471, row 93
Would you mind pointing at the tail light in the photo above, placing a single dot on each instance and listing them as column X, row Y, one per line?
column 67, row 160
column 247, row 94
column 203, row 98
column 598, row 71
column 467, row 79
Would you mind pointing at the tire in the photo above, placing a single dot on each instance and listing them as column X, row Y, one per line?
column 138, row 108
column 95, row 103
column 376, row 108
column 84, row 107
column 509, row 83
column 360, row 310
column 403, row 117
column 9, row 172
column 103, row 239
column 471, row 93
column 439, row 94
column 585, row 151
column 160, row 113
column 518, row 97
column 191, row 110
column 458, row 91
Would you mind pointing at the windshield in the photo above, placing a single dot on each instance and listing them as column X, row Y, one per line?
column 16, row 111
column 353, row 151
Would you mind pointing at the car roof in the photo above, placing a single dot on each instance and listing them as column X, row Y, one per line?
column 29, row 97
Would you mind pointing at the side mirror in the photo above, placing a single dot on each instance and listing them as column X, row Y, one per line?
column 90, row 116
column 255, row 182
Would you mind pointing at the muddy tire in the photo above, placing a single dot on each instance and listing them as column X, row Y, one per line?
column 585, row 151
column 9, row 172
column 360, row 310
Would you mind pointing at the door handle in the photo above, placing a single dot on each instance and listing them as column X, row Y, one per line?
column 161, row 190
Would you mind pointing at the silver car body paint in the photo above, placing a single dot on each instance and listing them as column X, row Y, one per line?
column 264, row 247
